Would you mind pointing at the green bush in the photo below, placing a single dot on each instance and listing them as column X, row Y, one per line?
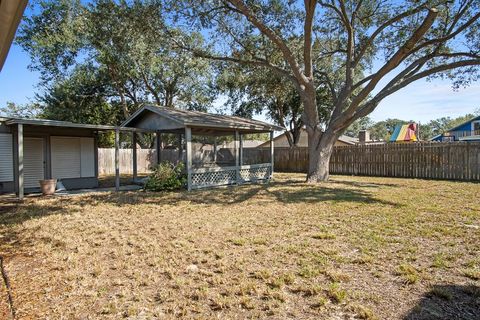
column 166, row 176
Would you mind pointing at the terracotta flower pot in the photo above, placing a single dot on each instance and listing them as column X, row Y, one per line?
column 48, row 186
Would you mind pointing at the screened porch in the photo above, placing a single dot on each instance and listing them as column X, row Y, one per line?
column 211, row 146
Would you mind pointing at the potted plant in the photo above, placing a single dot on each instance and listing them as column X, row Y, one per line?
column 48, row 186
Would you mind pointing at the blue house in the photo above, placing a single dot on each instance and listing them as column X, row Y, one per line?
column 467, row 131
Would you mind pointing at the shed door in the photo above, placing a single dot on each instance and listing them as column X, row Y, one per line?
column 65, row 157
column 72, row 157
column 33, row 162
column 6, row 157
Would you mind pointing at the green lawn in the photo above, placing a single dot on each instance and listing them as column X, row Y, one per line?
column 356, row 247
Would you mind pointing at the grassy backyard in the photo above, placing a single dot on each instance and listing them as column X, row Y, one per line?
column 356, row 247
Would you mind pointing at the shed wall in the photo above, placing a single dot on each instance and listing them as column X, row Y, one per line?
column 87, row 157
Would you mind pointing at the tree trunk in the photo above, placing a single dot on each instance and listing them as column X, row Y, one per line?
column 320, row 144
column 320, row 148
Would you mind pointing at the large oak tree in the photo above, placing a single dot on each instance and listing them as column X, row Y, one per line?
column 398, row 42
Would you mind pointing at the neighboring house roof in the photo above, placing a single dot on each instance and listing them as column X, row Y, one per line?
column 456, row 127
column 187, row 118
column 11, row 12
column 348, row 140
column 343, row 139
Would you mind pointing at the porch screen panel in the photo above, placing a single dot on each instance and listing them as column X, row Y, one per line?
column 6, row 158
column 66, row 157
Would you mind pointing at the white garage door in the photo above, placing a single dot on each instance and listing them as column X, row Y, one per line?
column 33, row 162
column 72, row 157
column 6, row 157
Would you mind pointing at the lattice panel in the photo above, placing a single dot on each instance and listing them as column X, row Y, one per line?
column 252, row 174
column 214, row 178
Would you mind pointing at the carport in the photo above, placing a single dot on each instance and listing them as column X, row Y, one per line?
column 37, row 149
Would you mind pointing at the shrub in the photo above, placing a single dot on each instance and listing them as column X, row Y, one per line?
column 166, row 176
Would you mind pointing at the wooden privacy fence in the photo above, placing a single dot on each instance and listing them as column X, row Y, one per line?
column 431, row 160
column 147, row 157
column 106, row 160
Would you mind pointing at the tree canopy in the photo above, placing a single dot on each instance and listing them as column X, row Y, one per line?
column 394, row 42
column 118, row 52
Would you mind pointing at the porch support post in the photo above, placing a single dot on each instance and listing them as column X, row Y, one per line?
column 272, row 158
column 188, row 160
column 20, row 174
column 237, row 157
column 241, row 149
column 134, row 156
column 180, row 148
column 117, row 159
column 159, row 147
column 215, row 150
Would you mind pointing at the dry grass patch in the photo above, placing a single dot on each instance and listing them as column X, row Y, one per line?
column 343, row 249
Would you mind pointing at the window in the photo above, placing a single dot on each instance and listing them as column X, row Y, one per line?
column 476, row 127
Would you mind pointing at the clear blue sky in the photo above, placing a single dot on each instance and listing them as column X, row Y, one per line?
column 421, row 101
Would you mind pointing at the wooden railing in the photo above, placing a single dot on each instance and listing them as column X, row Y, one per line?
column 219, row 176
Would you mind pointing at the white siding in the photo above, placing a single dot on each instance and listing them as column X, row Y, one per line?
column 87, row 157
column 33, row 162
column 72, row 157
column 65, row 152
column 6, row 157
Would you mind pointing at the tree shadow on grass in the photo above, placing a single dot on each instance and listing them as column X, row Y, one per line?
column 287, row 192
column 448, row 302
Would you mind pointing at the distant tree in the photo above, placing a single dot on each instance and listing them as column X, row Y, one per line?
column 407, row 40
column 122, row 43
column 253, row 92
column 382, row 130
column 13, row 110
column 441, row 125
column 360, row 124
column 81, row 97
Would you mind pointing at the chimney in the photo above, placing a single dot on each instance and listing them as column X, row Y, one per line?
column 363, row 136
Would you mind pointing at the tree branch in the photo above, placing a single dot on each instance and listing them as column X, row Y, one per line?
column 380, row 29
column 279, row 42
column 370, row 106
column 310, row 6
column 396, row 59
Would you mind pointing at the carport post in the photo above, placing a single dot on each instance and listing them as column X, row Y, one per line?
column 117, row 159
column 237, row 157
column 20, row 174
column 272, row 158
column 134, row 155
column 188, row 161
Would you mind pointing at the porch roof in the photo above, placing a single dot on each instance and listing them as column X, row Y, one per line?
column 166, row 119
